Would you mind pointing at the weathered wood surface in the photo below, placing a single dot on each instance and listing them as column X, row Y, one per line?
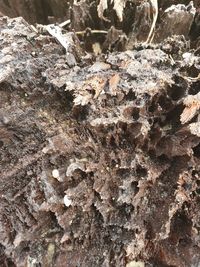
column 99, row 156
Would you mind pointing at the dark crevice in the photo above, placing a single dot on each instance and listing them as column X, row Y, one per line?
column 196, row 151
column 194, row 88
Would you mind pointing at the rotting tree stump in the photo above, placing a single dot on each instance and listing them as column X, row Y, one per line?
column 116, row 137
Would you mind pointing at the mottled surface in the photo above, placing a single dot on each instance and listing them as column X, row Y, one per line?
column 127, row 165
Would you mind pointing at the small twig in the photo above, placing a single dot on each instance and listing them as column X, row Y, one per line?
column 172, row 60
column 192, row 79
column 92, row 31
column 65, row 23
column 33, row 28
column 154, row 4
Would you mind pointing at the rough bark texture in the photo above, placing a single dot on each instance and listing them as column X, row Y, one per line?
column 34, row 10
column 40, row 10
column 100, row 157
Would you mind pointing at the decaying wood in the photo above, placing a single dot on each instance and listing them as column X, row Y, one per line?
column 100, row 150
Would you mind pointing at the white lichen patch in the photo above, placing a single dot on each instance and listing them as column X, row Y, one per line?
column 67, row 201
column 55, row 174
column 135, row 264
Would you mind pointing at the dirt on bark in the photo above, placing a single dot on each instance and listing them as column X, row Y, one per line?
column 99, row 150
